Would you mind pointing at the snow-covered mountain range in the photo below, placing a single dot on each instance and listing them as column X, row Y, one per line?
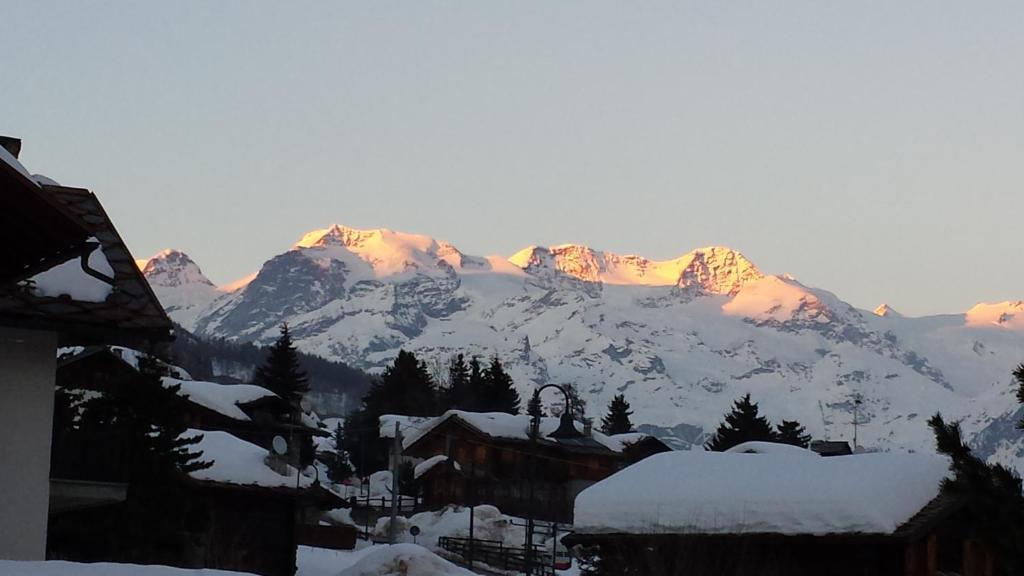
column 680, row 338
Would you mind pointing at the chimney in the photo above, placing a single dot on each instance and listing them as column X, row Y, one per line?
column 588, row 427
column 12, row 145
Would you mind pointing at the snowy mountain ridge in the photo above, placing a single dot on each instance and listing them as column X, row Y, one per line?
column 681, row 338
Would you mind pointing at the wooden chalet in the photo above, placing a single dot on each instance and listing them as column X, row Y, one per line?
column 762, row 514
column 490, row 458
column 249, row 412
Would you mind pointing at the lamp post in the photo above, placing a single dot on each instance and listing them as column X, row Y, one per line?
column 566, row 429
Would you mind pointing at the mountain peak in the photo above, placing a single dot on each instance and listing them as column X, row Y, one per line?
column 172, row 267
column 886, row 311
column 713, row 269
column 1008, row 315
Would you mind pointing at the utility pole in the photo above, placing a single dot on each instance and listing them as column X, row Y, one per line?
column 856, row 419
column 396, row 454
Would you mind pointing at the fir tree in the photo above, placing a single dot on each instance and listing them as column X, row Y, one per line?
column 457, row 395
column 281, row 373
column 991, row 492
column 407, row 388
column 743, row 424
column 500, row 392
column 477, row 392
column 616, row 421
column 792, row 432
column 339, row 468
column 1018, row 375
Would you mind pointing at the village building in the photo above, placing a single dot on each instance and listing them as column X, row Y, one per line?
column 247, row 411
column 248, row 510
column 490, row 458
column 765, row 510
column 66, row 278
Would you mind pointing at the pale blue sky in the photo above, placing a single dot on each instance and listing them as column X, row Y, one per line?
column 875, row 149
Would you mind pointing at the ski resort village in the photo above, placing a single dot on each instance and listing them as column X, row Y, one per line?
column 374, row 402
column 532, row 288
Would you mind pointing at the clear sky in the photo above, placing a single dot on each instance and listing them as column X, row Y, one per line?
column 875, row 149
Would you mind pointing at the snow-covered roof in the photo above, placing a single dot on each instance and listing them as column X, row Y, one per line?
column 236, row 461
column 9, row 159
column 776, row 448
column 429, row 464
column 221, row 398
column 69, row 279
column 502, row 425
column 727, row 493
column 407, row 424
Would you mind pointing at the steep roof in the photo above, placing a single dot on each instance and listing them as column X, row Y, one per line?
column 500, row 425
column 36, row 231
column 732, row 493
column 130, row 314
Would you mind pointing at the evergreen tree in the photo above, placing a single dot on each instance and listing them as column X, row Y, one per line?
column 457, row 395
column 616, row 421
column 792, row 432
column 499, row 391
column 281, row 373
column 743, row 424
column 1018, row 375
column 406, row 388
column 477, row 393
column 992, row 493
column 339, row 468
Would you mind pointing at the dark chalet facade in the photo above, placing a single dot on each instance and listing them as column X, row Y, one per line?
column 492, row 460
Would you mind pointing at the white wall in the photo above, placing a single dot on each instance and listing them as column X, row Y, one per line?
column 27, row 371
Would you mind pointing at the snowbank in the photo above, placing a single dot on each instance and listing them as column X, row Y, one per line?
column 403, row 560
column 61, row 568
column 221, row 398
column 488, row 524
column 716, row 492
column 236, row 461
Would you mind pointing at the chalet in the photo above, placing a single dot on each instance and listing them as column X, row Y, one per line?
column 759, row 511
column 471, row 457
column 247, row 511
column 249, row 412
column 66, row 278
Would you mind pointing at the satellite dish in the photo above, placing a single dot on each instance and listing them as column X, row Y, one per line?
column 280, row 446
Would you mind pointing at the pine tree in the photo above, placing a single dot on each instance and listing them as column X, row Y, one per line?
column 743, row 424
column 457, row 395
column 339, row 468
column 477, row 392
column 616, row 421
column 281, row 373
column 792, row 432
column 992, row 493
column 1018, row 375
column 500, row 392
column 407, row 388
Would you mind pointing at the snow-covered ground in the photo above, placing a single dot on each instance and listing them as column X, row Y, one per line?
column 60, row 568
